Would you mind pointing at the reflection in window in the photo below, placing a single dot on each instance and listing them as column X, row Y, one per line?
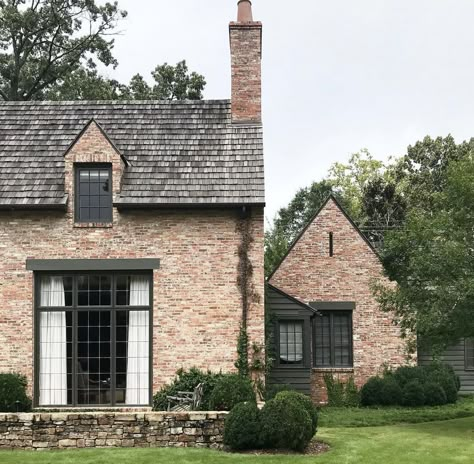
column 93, row 194
column 291, row 342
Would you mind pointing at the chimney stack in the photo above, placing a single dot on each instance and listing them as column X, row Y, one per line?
column 246, row 58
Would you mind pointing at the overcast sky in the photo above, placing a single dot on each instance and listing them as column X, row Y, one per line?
column 338, row 75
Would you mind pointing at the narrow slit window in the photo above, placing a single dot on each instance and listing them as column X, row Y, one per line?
column 331, row 244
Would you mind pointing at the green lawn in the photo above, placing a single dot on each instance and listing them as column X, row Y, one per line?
column 367, row 417
column 428, row 443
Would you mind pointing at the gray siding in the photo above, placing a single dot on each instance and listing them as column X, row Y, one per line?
column 454, row 356
column 283, row 307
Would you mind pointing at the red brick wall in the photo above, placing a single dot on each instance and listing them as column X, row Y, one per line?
column 197, row 304
column 246, row 56
column 310, row 274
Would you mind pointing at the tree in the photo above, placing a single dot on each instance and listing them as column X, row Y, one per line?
column 43, row 41
column 171, row 83
column 432, row 261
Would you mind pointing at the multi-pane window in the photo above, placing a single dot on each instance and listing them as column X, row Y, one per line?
column 291, row 342
column 93, row 344
column 332, row 341
column 469, row 353
column 93, row 194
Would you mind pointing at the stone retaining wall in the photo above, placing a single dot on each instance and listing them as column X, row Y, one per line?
column 40, row 431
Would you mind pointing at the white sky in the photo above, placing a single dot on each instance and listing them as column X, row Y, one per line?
column 338, row 75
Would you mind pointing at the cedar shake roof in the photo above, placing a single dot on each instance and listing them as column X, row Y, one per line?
column 185, row 153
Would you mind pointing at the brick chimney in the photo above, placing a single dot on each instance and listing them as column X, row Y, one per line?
column 246, row 58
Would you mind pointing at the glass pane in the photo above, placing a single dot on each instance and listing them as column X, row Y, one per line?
column 133, row 290
column 93, row 368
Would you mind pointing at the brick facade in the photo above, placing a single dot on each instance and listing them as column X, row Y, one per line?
column 197, row 305
column 309, row 274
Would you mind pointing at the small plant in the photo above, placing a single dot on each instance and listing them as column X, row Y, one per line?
column 242, row 427
column 413, row 394
column 285, row 424
column 351, row 394
column 306, row 403
column 187, row 381
column 370, row 393
column 335, row 390
column 229, row 390
column 272, row 390
column 13, row 397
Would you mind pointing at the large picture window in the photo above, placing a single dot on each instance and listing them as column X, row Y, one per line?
column 93, row 339
column 93, row 198
column 333, row 339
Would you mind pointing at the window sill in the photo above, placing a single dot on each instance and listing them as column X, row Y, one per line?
column 333, row 369
column 93, row 225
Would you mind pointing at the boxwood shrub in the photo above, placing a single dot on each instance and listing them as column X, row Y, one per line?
column 370, row 393
column 229, row 390
column 242, row 427
column 13, row 395
column 285, row 424
column 413, row 393
column 391, row 393
column 434, row 394
column 306, row 403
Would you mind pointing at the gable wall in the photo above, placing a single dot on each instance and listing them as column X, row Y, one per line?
column 310, row 274
column 197, row 304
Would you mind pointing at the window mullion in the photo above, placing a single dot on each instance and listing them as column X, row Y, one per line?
column 113, row 323
column 332, row 341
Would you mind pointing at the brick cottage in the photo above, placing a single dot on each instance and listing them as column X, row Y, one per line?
column 123, row 226
column 326, row 318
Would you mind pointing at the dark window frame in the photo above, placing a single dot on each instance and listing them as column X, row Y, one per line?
column 468, row 345
column 287, row 320
column 74, row 309
column 77, row 195
column 332, row 364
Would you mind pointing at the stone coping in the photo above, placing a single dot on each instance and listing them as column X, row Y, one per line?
column 125, row 416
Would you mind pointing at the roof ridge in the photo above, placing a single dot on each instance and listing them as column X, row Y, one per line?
column 113, row 102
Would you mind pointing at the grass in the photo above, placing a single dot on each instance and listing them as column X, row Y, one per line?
column 368, row 417
column 430, row 443
column 355, row 435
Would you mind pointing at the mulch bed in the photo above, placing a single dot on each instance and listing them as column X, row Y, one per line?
column 314, row 448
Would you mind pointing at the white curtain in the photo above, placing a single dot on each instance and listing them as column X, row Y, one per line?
column 138, row 357
column 53, row 348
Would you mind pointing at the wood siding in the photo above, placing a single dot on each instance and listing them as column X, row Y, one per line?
column 282, row 308
column 454, row 356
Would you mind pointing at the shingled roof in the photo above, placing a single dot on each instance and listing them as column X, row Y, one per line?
column 180, row 153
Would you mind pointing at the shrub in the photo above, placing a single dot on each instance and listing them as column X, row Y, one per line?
column 285, row 424
column 13, row 395
column 434, row 394
column 230, row 390
column 272, row 390
column 370, row 393
column 390, row 394
column 405, row 374
column 306, row 403
column 413, row 394
column 187, row 381
column 242, row 427
column 444, row 375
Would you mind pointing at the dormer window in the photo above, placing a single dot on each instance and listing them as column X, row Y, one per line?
column 93, row 197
